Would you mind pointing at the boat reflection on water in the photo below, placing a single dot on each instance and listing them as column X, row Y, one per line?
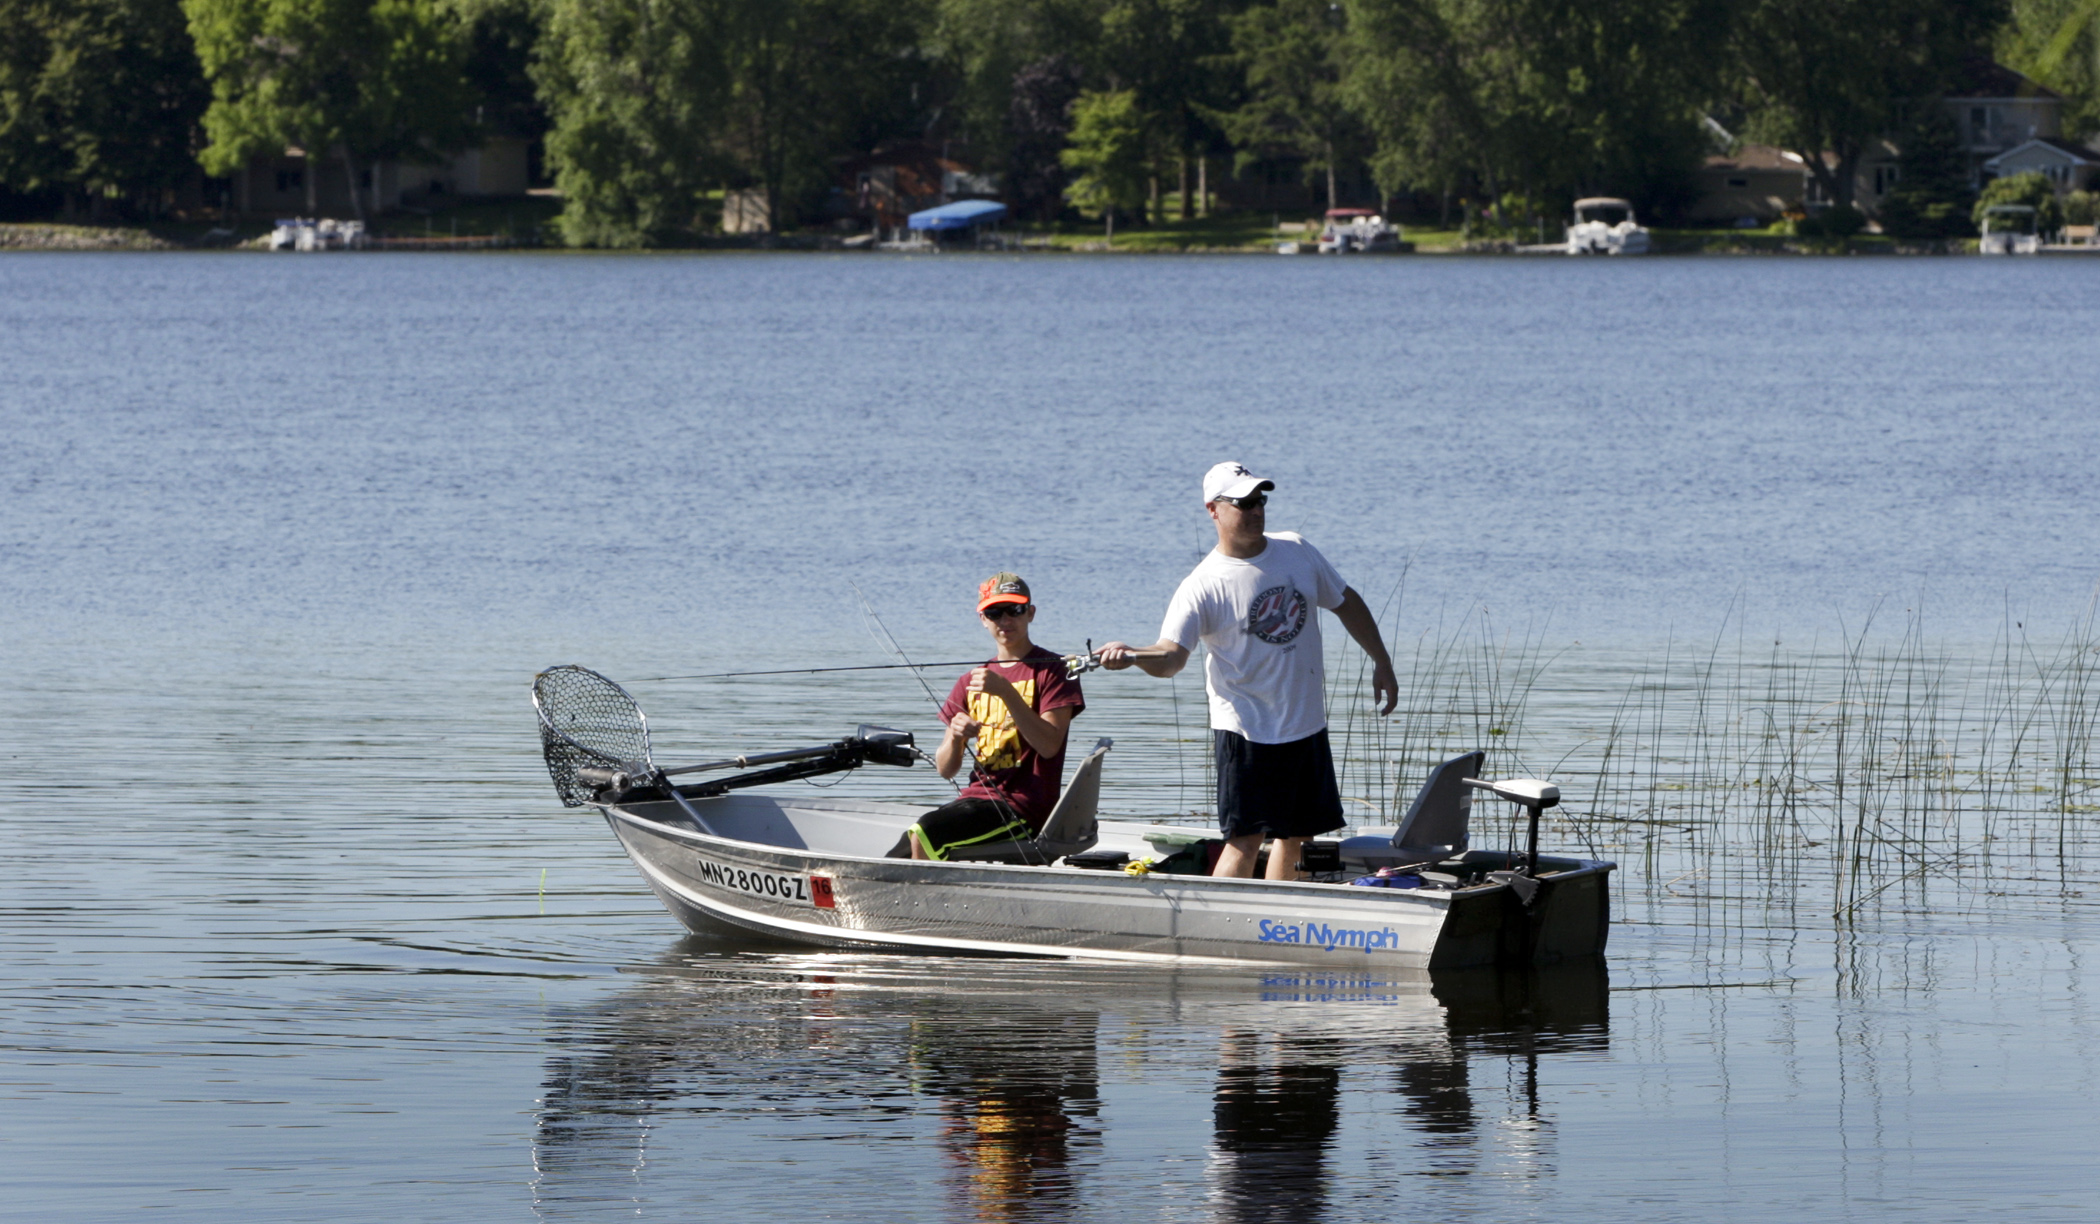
column 943, row 1088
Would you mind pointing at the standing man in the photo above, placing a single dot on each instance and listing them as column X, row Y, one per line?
column 1018, row 708
column 1251, row 603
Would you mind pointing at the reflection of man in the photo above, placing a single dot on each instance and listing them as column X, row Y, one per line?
column 1275, row 1115
column 1250, row 602
column 1018, row 708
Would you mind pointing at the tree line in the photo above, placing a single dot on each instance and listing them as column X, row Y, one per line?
column 648, row 109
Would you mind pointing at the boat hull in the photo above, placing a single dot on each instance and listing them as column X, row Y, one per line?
column 781, row 887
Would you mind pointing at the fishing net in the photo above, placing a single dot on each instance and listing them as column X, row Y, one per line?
column 587, row 721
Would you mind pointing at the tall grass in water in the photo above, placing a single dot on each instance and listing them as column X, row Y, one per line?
column 1871, row 770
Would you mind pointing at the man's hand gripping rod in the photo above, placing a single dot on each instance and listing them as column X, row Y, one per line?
column 1080, row 664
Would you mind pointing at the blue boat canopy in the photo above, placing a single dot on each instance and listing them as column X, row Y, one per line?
column 960, row 215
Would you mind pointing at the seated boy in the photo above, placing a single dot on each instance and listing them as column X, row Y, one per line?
column 1018, row 708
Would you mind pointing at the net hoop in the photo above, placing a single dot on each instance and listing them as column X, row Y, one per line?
column 587, row 721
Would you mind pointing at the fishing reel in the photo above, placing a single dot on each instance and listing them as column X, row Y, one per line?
column 1077, row 665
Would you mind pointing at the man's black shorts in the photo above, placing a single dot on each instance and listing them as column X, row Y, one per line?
column 968, row 822
column 1280, row 790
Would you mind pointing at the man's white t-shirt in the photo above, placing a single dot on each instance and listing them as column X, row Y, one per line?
column 1257, row 618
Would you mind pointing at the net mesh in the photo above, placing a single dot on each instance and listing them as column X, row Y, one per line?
column 587, row 720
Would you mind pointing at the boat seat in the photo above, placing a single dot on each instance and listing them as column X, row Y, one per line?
column 1072, row 827
column 1435, row 827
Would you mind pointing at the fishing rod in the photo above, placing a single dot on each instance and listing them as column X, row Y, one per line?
column 810, row 671
column 1076, row 665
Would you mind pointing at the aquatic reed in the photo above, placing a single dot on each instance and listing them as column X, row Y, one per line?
column 1878, row 769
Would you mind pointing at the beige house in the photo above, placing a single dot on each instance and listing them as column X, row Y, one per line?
column 276, row 186
column 1758, row 182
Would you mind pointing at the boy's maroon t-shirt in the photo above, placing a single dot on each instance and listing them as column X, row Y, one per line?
column 1007, row 768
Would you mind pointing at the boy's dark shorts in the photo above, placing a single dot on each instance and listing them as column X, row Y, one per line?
column 968, row 822
column 1279, row 790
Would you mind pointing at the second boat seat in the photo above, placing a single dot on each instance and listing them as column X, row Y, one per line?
column 1435, row 827
column 1072, row 827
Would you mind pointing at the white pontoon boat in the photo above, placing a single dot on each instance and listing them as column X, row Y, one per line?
column 817, row 871
column 1354, row 230
column 2010, row 229
column 1605, row 226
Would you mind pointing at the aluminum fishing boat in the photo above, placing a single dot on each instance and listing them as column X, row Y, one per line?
column 818, row 871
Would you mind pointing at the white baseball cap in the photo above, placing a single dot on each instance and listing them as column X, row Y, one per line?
column 1231, row 480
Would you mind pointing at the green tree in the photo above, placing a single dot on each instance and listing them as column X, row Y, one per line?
column 97, row 98
column 502, row 37
column 2031, row 189
column 1823, row 79
column 1038, row 120
column 1292, row 54
column 656, row 101
column 994, row 48
column 808, row 80
column 1534, row 96
column 364, row 79
column 2057, row 42
column 1175, row 58
column 1932, row 194
column 1109, row 153
column 637, row 90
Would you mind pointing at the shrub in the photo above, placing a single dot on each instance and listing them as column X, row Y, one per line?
column 2031, row 189
column 1842, row 221
column 1913, row 215
column 2080, row 207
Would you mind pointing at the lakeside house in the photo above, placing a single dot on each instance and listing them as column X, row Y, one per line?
column 884, row 188
column 277, row 186
column 2066, row 163
column 2007, row 124
column 1756, row 182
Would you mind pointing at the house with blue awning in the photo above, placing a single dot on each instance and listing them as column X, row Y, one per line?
column 964, row 217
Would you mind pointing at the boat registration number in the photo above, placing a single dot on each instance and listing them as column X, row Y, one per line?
column 810, row 890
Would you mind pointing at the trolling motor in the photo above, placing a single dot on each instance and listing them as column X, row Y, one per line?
column 1534, row 797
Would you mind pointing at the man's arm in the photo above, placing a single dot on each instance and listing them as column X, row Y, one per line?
column 1164, row 657
column 1356, row 617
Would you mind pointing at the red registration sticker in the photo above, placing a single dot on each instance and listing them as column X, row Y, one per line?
column 820, row 892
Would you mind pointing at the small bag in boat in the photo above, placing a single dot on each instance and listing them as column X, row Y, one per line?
column 1387, row 877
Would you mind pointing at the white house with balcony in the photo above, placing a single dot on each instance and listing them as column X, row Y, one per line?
column 1996, row 111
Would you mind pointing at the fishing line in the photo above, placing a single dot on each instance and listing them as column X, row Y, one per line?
column 868, row 610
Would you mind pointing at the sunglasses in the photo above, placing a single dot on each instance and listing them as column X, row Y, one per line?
column 1253, row 501
column 1002, row 611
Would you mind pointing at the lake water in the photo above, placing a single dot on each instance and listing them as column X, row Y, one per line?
column 294, row 927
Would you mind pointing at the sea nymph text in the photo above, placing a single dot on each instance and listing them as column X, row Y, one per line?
column 811, row 890
column 1328, row 937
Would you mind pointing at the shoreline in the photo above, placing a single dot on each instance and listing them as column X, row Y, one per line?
column 52, row 236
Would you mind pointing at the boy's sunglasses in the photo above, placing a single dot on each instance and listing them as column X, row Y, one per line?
column 1253, row 501
column 1002, row 611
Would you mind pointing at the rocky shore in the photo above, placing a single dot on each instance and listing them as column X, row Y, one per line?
column 79, row 238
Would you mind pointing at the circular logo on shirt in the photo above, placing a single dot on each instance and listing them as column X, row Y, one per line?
column 1277, row 615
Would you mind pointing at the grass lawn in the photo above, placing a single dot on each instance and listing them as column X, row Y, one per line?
column 520, row 220
column 1243, row 230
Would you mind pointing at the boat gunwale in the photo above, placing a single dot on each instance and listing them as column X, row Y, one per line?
column 699, row 839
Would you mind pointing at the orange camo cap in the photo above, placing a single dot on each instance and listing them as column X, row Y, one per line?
column 1002, row 587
